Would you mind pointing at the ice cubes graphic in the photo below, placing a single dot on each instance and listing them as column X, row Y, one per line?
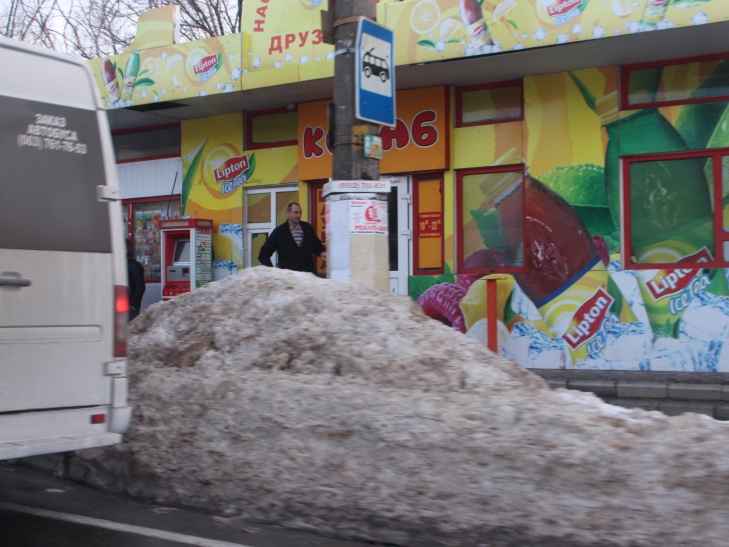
column 223, row 269
column 532, row 348
column 670, row 355
column 704, row 327
column 521, row 305
column 628, row 285
column 628, row 347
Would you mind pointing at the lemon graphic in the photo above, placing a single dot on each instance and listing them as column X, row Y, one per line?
column 451, row 28
column 424, row 17
column 173, row 60
column 621, row 8
column 473, row 305
column 479, row 331
column 176, row 81
column 226, row 249
column 150, row 65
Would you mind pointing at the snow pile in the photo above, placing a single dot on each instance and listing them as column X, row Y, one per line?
column 325, row 405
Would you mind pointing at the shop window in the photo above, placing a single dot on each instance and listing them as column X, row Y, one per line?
column 428, row 233
column 675, row 82
column 674, row 210
column 272, row 128
column 490, row 220
column 147, row 144
column 491, row 103
column 142, row 224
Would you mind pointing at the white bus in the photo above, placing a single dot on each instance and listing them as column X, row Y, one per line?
column 63, row 294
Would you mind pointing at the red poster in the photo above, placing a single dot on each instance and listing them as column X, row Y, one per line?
column 430, row 224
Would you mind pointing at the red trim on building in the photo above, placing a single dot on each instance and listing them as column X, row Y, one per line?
column 148, row 158
column 625, row 81
column 250, row 144
column 459, row 103
column 719, row 235
column 460, row 173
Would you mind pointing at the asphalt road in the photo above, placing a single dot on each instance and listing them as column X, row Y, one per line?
column 41, row 510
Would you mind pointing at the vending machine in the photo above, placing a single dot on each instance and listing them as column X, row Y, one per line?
column 187, row 255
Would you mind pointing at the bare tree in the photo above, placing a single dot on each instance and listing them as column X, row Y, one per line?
column 29, row 21
column 98, row 28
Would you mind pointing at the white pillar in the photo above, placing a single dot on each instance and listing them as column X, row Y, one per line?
column 357, row 232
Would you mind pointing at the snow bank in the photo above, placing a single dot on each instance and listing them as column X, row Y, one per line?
column 325, row 405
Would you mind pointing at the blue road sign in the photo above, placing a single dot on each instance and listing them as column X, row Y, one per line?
column 374, row 74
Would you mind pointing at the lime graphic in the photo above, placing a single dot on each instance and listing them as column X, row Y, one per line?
column 424, row 17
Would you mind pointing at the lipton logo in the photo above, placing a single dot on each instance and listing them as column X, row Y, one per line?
column 670, row 282
column 588, row 319
column 563, row 7
column 657, row 3
column 231, row 168
column 205, row 64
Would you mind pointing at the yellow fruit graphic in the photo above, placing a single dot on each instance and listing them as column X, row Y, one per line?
column 503, row 8
column 150, row 65
column 479, row 331
column 621, row 8
column 473, row 305
column 225, row 249
column 452, row 29
column 424, row 17
column 173, row 60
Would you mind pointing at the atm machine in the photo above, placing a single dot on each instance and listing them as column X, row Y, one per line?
column 187, row 254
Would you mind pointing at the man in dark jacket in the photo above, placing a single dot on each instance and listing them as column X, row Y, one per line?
column 135, row 272
column 294, row 241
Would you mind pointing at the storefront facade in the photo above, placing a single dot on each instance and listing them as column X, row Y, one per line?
column 598, row 193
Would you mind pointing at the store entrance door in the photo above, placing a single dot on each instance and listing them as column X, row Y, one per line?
column 265, row 208
column 398, row 218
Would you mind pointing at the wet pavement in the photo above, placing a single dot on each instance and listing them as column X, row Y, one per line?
column 38, row 509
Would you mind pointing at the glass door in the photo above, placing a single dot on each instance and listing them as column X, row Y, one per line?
column 265, row 208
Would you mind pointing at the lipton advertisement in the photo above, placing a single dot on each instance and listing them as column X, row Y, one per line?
column 168, row 73
column 215, row 168
column 417, row 142
column 430, row 30
column 550, row 210
column 285, row 38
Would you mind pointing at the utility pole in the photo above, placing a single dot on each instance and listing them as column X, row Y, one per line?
column 349, row 160
column 356, row 201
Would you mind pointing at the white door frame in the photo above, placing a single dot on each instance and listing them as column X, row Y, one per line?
column 399, row 278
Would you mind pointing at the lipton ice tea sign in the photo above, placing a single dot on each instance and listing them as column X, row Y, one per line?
column 591, row 321
column 232, row 173
column 417, row 142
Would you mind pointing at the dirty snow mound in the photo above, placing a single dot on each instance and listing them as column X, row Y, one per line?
column 324, row 405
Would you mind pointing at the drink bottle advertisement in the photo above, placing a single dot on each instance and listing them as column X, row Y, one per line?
column 168, row 73
column 429, row 30
column 550, row 212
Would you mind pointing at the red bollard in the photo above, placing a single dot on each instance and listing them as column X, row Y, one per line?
column 492, row 315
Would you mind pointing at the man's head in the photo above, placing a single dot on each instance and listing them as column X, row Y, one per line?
column 293, row 212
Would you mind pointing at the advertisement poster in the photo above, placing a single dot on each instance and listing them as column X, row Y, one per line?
column 368, row 216
column 203, row 257
column 168, row 73
column 215, row 169
column 571, row 303
column 431, row 30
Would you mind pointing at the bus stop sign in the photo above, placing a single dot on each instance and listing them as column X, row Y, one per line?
column 374, row 74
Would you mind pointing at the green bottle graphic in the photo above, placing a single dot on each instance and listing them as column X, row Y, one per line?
column 130, row 74
column 671, row 213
